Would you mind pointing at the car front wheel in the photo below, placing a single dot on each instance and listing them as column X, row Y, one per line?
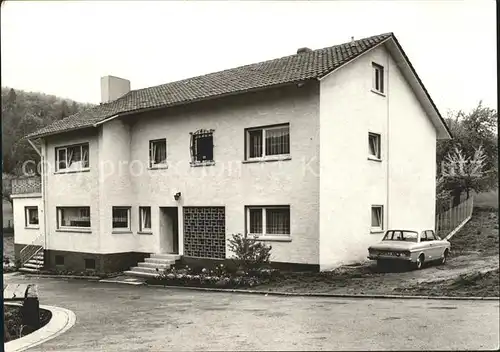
column 420, row 262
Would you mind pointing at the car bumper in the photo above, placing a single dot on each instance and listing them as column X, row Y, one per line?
column 389, row 257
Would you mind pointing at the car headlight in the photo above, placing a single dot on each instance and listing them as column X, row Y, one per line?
column 406, row 254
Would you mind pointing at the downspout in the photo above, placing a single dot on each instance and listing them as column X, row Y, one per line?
column 387, row 140
column 43, row 171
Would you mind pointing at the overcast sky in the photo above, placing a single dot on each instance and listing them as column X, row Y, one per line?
column 64, row 47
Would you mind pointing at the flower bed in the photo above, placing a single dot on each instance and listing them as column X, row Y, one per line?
column 84, row 273
column 219, row 277
column 13, row 327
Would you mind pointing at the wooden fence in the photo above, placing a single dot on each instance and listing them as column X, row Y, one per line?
column 452, row 220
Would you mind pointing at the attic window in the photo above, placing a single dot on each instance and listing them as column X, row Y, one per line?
column 202, row 147
column 378, row 78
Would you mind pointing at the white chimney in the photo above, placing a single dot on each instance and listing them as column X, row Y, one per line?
column 113, row 88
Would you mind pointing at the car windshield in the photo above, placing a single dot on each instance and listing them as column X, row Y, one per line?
column 398, row 235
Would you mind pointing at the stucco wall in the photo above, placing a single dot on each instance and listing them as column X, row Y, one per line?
column 229, row 182
column 350, row 183
column 72, row 189
column 23, row 234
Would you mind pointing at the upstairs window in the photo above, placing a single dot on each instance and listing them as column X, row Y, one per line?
column 72, row 158
column 267, row 141
column 374, row 145
column 31, row 216
column 202, row 147
column 378, row 78
column 158, row 152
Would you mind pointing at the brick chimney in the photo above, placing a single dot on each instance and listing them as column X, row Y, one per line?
column 113, row 88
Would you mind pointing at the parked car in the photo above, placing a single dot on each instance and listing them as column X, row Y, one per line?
column 410, row 247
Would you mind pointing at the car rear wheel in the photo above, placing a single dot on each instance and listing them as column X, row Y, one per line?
column 420, row 262
column 445, row 257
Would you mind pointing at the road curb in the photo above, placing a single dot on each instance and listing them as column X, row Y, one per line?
column 62, row 320
column 333, row 295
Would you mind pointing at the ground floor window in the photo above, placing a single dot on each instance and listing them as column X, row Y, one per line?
column 31, row 216
column 377, row 218
column 73, row 217
column 121, row 218
column 145, row 219
column 268, row 220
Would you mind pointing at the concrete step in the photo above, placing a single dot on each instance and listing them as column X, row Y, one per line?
column 33, row 266
column 166, row 256
column 159, row 261
column 139, row 274
column 29, row 270
column 35, row 261
column 154, row 265
column 38, row 256
column 146, row 270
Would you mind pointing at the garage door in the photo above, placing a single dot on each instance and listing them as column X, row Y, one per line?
column 205, row 232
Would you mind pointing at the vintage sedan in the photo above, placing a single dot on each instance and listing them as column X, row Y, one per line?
column 410, row 247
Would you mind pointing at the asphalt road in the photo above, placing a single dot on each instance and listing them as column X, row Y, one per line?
column 114, row 317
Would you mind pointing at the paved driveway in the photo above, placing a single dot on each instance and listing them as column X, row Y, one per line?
column 114, row 317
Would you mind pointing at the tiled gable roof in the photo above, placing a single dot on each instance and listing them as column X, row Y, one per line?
column 289, row 69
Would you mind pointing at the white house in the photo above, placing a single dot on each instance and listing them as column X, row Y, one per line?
column 315, row 153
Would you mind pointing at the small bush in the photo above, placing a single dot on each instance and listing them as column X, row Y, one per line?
column 249, row 254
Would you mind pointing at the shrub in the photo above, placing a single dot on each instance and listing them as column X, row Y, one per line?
column 249, row 254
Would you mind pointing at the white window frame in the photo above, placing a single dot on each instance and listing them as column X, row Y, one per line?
column 121, row 229
column 27, row 223
column 381, row 227
column 264, row 129
column 65, row 148
column 378, row 70
column 379, row 145
column 264, row 235
column 152, row 163
column 65, row 227
column 141, row 222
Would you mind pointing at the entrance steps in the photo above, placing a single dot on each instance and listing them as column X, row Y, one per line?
column 33, row 265
column 153, row 266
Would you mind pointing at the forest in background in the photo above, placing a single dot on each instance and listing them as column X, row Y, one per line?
column 26, row 112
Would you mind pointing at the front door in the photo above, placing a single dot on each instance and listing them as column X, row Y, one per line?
column 169, row 230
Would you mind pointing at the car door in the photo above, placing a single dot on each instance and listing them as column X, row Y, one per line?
column 425, row 246
column 436, row 244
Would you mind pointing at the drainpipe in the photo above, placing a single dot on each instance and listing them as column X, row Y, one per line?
column 387, row 139
column 42, row 177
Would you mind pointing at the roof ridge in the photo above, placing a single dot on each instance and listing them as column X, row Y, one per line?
column 260, row 62
column 288, row 69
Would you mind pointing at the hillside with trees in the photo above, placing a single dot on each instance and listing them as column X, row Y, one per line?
column 468, row 163
column 23, row 113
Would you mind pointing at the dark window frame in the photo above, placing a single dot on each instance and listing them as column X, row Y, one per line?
column 202, row 147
